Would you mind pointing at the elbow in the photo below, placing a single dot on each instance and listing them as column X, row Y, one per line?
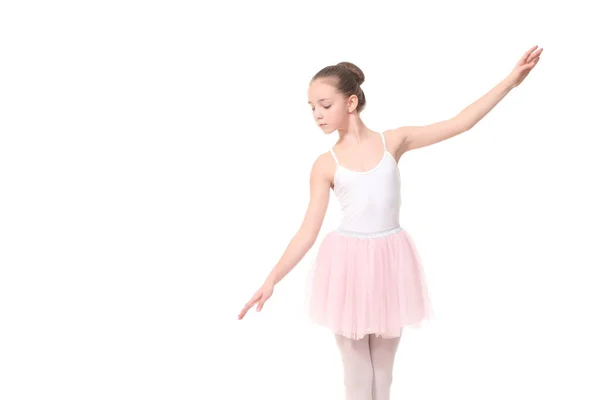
column 466, row 127
column 308, row 236
column 311, row 238
column 462, row 123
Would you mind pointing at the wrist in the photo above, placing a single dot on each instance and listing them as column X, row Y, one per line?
column 507, row 84
column 271, row 281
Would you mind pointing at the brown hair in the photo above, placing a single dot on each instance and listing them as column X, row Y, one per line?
column 347, row 80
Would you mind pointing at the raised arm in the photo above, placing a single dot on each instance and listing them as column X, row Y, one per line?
column 414, row 137
column 305, row 237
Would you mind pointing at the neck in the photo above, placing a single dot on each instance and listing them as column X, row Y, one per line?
column 355, row 132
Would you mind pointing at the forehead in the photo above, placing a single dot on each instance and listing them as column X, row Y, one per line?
column 320, row 90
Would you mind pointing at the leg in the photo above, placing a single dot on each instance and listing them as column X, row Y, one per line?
column 383, row 352
column 358, row 370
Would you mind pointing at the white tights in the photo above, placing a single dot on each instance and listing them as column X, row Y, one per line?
column 368, row 364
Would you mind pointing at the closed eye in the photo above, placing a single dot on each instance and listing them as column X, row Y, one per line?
column 323, row 107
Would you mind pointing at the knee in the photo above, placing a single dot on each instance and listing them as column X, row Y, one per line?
column 382, row 376
column 359, row 379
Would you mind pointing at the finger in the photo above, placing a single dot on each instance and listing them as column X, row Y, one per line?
column 533, row 62
column 529, row 65
column 534, row 55
column 260, row 305
column 249, row 305
column 526, row 55
column 244, row 311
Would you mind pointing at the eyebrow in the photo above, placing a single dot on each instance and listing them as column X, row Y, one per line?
column 319, row 100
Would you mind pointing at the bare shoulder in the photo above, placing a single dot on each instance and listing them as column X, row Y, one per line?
column 323, row 169
column 395, row 140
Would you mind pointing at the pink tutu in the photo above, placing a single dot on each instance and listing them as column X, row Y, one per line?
column 368, row 283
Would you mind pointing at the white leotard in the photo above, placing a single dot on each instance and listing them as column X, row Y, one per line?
column 370, row 200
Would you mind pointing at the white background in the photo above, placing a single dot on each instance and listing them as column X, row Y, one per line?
column 154, row 164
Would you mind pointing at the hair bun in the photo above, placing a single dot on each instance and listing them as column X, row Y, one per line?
column 360, row 76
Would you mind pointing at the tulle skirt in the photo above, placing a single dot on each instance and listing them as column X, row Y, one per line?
column 365, row 284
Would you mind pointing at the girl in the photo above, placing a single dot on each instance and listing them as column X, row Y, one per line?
column 367, row 283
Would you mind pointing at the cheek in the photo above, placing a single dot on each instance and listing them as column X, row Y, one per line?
column 336, row 115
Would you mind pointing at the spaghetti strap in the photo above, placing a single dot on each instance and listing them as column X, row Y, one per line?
column 334, row 157
column 383, row 140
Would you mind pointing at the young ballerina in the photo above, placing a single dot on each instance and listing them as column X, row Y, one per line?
column 367, row 283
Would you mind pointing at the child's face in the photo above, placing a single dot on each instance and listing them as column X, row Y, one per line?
column 329, row 107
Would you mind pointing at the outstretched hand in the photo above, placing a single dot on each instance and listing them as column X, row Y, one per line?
column 524, row 66
column 261, row 295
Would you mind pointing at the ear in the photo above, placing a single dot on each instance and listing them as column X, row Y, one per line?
column 352, row 103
